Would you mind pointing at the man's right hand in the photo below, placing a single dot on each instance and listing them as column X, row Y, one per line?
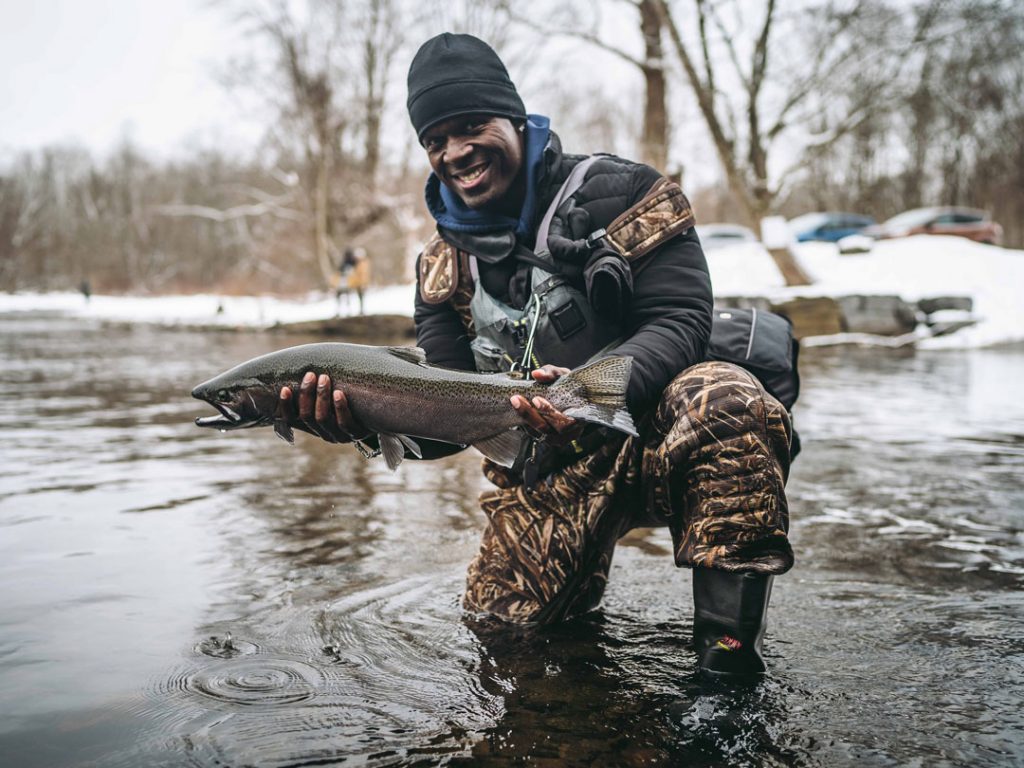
column 322, row 412
column 541, row 417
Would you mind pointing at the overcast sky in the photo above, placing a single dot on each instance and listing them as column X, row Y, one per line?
column 87, row 71
column 90, row 72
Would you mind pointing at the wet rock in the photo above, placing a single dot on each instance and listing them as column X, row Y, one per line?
column 880, row 315
column 813, row 316
column 947, row 321
column 940, row 303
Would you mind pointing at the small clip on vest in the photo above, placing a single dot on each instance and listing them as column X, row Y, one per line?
column 531, row 470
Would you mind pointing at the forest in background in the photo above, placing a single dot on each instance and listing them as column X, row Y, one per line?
column 873, row 107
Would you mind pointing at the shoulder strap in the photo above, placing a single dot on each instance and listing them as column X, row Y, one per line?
column 569, row 186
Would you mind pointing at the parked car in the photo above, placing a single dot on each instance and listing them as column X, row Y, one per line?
column 719, row 235
column 946, row 220
column 828, row 226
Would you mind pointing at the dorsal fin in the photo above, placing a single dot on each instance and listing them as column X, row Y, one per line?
column 411, row 354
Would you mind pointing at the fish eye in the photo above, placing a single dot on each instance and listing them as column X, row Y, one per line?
column 223, row 395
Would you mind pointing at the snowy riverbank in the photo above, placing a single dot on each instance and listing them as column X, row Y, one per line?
column 912, row 268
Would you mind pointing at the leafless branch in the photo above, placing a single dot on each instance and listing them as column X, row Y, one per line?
column 727, row 39
column 589, row 37
column 229, row 214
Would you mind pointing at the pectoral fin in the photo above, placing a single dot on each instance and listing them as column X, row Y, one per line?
column 284, row 430
column 503, row 448
column 392, row 448
column 409, row 443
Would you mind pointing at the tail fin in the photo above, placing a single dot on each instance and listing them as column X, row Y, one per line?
column 602, row 386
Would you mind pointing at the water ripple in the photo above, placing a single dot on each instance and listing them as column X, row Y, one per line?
column 226, row 647
column 375, row 675
column 251, row 681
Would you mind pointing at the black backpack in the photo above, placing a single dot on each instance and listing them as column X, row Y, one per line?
column 763, row 343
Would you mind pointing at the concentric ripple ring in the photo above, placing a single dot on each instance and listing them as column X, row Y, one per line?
column 256, row 681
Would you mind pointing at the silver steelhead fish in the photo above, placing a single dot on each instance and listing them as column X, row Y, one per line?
column 396, row 393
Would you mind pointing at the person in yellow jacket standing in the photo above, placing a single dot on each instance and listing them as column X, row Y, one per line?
column 359, row 277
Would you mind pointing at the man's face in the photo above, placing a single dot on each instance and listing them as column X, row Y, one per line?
column 476, row 156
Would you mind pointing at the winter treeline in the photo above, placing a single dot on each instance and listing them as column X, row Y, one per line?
column 947, row 129
column 873, row 106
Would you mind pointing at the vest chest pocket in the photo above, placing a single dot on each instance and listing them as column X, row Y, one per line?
column 568, row 319
column 488, row 353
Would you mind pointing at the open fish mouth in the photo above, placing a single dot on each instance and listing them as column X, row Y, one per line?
column 226, row 419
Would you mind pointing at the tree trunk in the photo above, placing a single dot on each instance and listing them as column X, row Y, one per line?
column 654, row 143
column 374, row 105
column 747, row 182
column 321, row 201
column 922, row 118
column 783, row 254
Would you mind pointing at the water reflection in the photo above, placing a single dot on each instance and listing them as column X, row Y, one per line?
column 604, row 687
column 175, row 596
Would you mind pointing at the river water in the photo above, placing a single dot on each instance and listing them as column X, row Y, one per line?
column 176, row 596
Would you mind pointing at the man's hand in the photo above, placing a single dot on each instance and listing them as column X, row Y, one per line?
column 322, row 412
column 542, row 417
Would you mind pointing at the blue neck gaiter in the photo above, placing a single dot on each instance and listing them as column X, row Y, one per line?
column 451, row 213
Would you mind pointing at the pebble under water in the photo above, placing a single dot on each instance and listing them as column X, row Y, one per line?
column 175, row 596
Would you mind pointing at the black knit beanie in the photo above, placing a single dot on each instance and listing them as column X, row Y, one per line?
column 454, row 75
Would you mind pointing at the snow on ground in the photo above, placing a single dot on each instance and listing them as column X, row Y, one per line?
column 744, row 269
column 913, row 268
column 209, row 309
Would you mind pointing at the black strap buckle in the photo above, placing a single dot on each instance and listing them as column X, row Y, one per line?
column 596, row 238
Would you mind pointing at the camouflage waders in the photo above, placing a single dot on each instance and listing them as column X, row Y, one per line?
column 711, row 463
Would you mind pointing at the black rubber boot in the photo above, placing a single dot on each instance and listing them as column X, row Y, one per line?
column 729, row 622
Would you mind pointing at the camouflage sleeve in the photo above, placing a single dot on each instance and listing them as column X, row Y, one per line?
column 442, row 335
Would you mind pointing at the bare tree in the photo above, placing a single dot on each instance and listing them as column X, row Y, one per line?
column 751, row 94
column 566, row 22
column 380, row 28
column 487, row 19
column 304, row 79
column 951, row 135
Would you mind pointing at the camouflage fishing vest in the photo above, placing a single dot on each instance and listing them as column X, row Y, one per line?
column 558, row 325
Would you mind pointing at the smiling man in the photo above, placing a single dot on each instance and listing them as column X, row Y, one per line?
column 479, row 157
column 541, row 261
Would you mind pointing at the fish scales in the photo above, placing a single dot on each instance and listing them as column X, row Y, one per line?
column 387, row 393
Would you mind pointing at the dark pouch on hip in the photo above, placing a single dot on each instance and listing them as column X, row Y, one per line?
column 763, row 343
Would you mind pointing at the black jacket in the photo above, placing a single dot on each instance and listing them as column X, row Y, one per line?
column 668, row 320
